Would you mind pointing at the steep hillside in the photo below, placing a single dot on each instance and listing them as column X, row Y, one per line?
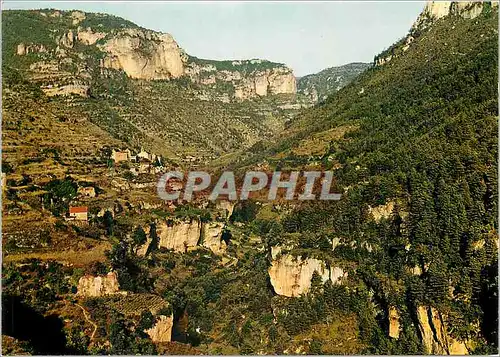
column 320, row 85
column 413, row 143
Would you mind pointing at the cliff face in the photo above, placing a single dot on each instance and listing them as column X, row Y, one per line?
column 184, row 236
column 180, row 236
column 95, row 286
column 243, row 79
column 394, row 324
column 435, row 10
column 291, row 276
column 144, row 54
column 434, row 333
column 117, row 44
column 212, row 235
column 162, row 329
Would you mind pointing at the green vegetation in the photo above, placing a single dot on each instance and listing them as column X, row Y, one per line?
column 330, row 80
column 413, row 145
column 427, row 139
column 242, row 66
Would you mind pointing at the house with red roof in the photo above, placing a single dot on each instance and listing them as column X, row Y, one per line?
column 78, row 213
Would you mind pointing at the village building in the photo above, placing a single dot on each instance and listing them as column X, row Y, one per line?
column 143, row 154
column 78, row 213
column 144, row 168
column 119, row 156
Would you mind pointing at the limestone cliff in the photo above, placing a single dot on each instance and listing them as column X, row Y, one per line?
column 82, row 43
column 435, row 10
column 246, row 79
column 162, row 329
column 291, row 276
column 144, row 54
column 212, row 237
column 179, row 236
column 434, row 333
column 95, row 286
column 394, row 324
column 182, row 236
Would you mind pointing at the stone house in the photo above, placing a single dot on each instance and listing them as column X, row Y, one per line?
column 119, row 156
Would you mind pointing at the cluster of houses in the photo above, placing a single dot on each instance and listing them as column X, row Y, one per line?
column 146, row 163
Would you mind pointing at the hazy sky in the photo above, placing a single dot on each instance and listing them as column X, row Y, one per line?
column 308, row 37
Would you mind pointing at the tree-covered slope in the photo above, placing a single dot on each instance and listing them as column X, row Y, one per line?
column 319, row 86
column 413, row 144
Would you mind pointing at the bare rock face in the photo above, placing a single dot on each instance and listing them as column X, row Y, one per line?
column 291, row 276
column 95, row 286
column 276, row 79
column 88, row 37
column 23, row 49
column 435, row 10
column 162, row 329
column 212, row 235
column 393, row 322
column 77, row 17
column 273, row 81
column 180, row 236
column 382, row 211
column 226, row 206
column 434, row 333
column 143, row 54
column 184, row 236
column 68, row 39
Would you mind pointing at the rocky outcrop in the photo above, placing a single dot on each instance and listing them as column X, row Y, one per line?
column 94, row 286
column 249, row 78
column 382, row 211
column 273, row 81
column 77, row 17
column 179, row 236
column 434, row 333
column 24, row 49
column 182, row 237
column 144, row 54
column 227, row 208
column 162, row 329
column 212, row 237
column 435, row 10
column 291, row 276
column 67, row 40
column 88, row 37
column 394, row 324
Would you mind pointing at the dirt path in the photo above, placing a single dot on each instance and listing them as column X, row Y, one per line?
column 87, row 317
